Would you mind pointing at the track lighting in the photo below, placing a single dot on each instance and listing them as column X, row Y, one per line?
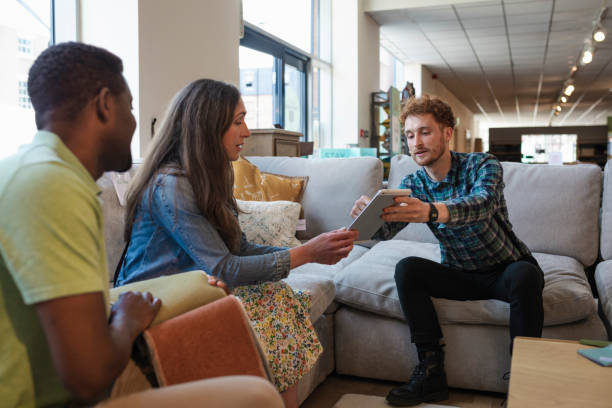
column 599, row 34
column 587, row 54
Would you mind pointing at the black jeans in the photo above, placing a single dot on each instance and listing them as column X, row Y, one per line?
column 519, row 283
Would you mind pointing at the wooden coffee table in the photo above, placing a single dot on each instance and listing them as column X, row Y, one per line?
column 550, row 373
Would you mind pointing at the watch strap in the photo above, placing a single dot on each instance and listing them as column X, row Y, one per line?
column 433, row 213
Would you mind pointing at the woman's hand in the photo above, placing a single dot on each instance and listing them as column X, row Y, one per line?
column 212, row 281
column 360, row 204
column 330, row 247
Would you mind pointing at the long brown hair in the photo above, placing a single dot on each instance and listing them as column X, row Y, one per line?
column 190, row 144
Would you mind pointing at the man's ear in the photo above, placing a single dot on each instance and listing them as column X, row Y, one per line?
column 448, row 134
column 103, row 104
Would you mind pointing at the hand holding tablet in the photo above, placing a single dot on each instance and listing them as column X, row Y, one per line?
column 369, row 221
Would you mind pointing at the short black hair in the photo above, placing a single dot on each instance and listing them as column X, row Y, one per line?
column 66, row 76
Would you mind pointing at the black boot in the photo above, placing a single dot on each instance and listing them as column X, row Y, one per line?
column 427, row 384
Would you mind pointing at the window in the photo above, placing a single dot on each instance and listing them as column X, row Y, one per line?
column 24, row 98
column 271, row 17
column 539, row 148
column 25, row 31
column 273, row 74
column 24, row 46
column 257, row 84
column 391, row 71
column 285, row 69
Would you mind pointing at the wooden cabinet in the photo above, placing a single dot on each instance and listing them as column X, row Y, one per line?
column 276, row 142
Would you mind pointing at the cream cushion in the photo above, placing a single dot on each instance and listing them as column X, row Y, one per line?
column 270, row 222
column 368, row 284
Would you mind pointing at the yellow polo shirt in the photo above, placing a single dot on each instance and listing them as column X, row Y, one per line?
column 51, row 246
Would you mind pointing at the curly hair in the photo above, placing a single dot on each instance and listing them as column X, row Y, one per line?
column 440, row 110
column 66, row 76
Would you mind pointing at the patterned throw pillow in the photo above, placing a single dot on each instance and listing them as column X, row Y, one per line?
column 270, row 222
column 254, row 185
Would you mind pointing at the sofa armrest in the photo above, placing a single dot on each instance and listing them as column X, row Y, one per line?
column 603, row 281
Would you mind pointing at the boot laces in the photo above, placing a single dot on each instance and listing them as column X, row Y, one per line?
column 420, row 372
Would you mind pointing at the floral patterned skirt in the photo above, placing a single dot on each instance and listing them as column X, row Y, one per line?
column 280, row 319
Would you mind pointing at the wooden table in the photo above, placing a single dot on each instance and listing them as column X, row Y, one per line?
column 550, row 373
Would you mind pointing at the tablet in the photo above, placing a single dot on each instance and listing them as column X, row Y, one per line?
column 369, row 221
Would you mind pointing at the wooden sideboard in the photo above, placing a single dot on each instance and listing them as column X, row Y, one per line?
column 276, row 142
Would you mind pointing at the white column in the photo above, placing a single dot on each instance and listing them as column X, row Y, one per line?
column 355, row 54
column 164, row 46
column 180, row 41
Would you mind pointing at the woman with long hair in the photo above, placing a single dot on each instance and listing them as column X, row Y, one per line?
column 181, row 215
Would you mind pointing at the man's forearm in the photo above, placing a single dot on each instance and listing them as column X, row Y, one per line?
column 443, row 213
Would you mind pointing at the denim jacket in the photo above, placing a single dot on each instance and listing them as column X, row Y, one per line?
column 170, row 236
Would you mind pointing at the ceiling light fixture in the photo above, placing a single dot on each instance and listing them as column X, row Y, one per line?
column 599, row 34
column 587, row 54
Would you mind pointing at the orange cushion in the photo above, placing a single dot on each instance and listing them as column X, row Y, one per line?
column 211, row 341
column 250, row 184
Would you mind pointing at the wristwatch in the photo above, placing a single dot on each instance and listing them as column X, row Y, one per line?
column 433, row 213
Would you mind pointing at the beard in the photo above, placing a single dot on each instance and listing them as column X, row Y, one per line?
column 125, row 164
column 117, row 159
column 433, row 155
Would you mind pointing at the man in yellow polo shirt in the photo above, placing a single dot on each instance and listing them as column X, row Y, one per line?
column 59, row 341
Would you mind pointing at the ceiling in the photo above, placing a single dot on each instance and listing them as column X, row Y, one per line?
column 506, row 60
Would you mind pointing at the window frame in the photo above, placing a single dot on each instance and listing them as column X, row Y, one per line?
column 284, row 54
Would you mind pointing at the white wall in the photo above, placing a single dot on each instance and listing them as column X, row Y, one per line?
column 368, row 72
column 465, row 117
column 120, row 38
column 413, row 73
column 180, row 41
column 344, row 83
column 355, row 48
column 164, row 46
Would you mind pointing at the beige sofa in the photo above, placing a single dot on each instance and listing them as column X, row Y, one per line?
column 355, row 308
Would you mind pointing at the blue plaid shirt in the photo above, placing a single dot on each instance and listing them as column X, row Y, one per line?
column 478, row 235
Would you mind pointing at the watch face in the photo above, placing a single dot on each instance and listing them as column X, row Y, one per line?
column 433, row 212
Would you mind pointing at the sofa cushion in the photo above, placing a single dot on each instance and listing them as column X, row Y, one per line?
column 603, row 281
column 330, row 271
column 333, row 186
column 368, row 284
column 269, row 222
column 114, row 223
column 318, row 280
column 606, row 214
column 553, row 209
column 320, row 288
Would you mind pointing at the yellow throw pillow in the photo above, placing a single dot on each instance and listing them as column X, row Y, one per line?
column 250, row 184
